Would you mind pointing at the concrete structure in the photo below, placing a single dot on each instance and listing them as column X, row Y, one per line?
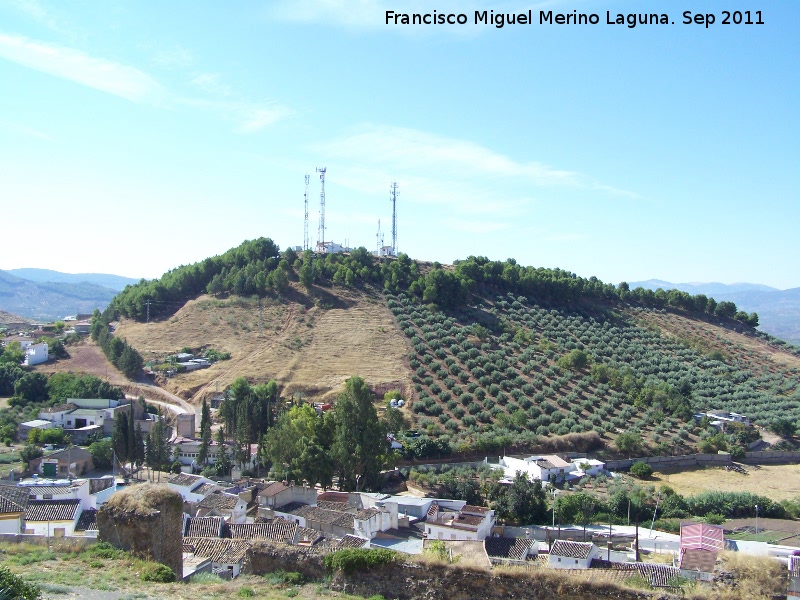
column 36, row 354
column 13, row 504
column 25, row 428
column 71, row 462
column 571, row 555
column 793, row 593
column 185, row 425
column 281, row 494
column 468, row 523
column 52, row 518
column 548, row 467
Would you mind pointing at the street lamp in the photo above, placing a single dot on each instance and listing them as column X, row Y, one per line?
column 756, row 522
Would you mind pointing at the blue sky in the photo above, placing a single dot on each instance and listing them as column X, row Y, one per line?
column 138, row 136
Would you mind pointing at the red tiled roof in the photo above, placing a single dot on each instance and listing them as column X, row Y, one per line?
column 351, row 541
column 224, row 551
column 273, row 489
column 52, row 510
column 279, row 530
column 204, row 527
column 13, row 499
column 569, row 549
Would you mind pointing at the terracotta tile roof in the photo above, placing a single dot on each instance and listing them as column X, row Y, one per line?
column 696, row 559
column 224, row 551
column 308, row 535
column 510, row 548
column 655, row 574
column 345, row 520
column 351, row 541
column 273, row 489
column 52, row 510
column 571, row 549
column 331, row 505
column 13, row 499
column 219, row 501
column 71, row 454
column 205, row 488
column 478, row 510
column 184, row 479
column 367, row 513
column 51, row 490
column 279, row 530
column 87, row 520
column 433, row 510
column 301, row 511
column 204, row 527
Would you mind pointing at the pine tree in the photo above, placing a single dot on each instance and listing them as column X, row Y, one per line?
column 119, row 438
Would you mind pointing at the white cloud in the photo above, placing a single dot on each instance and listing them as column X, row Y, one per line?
column 97, row 73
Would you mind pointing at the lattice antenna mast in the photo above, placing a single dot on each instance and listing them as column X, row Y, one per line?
column 393, row 198
column 305, row 224
column 321, row 234
column 378, row 240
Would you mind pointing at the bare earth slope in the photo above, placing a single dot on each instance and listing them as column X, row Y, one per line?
column 305, row 347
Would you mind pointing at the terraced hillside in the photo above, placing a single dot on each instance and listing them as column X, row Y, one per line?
column 644, row 370
column 490, row 355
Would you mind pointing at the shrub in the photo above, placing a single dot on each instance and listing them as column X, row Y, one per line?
column 13, row 586
column 350, row 560
column 158, row 573
column 641, row 470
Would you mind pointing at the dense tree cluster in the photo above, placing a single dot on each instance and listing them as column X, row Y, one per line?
column 347, row 444
column 121, row 354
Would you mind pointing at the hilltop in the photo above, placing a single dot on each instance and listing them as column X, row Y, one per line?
column 490, row 355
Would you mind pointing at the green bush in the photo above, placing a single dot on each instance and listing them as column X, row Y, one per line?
column 641, row 470
column 357, row 559
column 13, row 586
column 294, row 578
column 158, row 573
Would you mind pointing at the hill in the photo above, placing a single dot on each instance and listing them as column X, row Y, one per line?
column 105, row 280
column 7, row 317
column 47, row 301
column 490, row 355
column 778, row 310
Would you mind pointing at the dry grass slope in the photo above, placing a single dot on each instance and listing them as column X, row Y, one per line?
column 307, row 348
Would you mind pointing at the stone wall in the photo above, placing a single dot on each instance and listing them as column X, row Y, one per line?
column 705, row 460
column 146, row 519
column 267, row 557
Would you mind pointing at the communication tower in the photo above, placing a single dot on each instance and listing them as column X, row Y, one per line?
column 305, row 225
column 379, row 240
column 393, row 198
column 321, row 233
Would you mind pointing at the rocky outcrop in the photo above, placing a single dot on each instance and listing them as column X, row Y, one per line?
column 145, row 519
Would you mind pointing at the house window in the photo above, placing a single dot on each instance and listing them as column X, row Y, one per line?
column 576, row 561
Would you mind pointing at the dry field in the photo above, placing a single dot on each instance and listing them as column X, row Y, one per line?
column 307, row 348
column 85, row 357
column 777, row 482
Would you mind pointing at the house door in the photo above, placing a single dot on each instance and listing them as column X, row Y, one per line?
column 49, row 469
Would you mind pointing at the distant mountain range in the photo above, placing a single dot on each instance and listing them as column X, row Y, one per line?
column 114, row 282
column 778, row 310
column 43, row 295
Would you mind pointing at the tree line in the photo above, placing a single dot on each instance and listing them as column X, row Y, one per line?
column 121, row 354
column 259, row 267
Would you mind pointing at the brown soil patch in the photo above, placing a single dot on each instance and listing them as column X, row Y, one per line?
column 777, row 482
column 85, row 357
column 307, row 348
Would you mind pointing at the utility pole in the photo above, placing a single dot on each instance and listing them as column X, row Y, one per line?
column 305, row 227
column 393, row 198
column 321, row 234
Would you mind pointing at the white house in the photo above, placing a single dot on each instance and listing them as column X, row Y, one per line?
column 192, row 488
column 587, row 466
column 548, row 467
column 220, row 504
column 227, row 555
column 36, row 354
column 53, row 518
column 571, row 555
column 13, row 503
column 469, row 523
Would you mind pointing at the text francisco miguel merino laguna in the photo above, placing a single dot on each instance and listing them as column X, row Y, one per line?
column 545, row 17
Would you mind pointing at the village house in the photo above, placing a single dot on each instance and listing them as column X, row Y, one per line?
column 514, row 551
column 469, row 523
column 571, row 555
column 220, row 504
column 36, row 354
column 52, row 518
column 13, row 504
column 71, row 462
column 545, row 468
column 192, row 488
column 25, row 428
column 279, row 498
column 226, row 555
